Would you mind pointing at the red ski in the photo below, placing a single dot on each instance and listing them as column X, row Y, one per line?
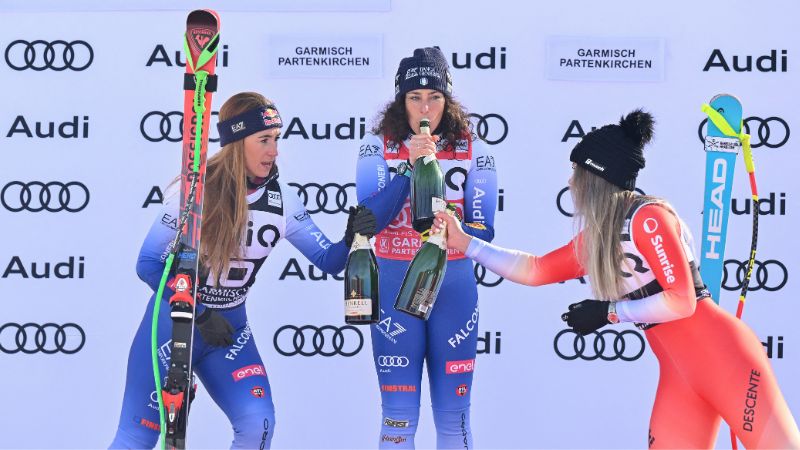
column 200, row 45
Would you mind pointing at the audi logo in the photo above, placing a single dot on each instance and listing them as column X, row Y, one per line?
column 485, row 277
column 608, row 345
column 763, row 131
column 42, row 55
column 157, row 126
column 310, row 340
column 36, row 196
column 392, row 361
column 329, row 198
column 761, row 279
column 566, row 207
column 492, row 135
column 49, row 338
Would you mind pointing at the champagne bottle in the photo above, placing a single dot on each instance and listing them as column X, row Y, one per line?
column 424, row 277
column 427, row 187
column 361, row 305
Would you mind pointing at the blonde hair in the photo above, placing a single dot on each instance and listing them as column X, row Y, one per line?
column 225, row 207
column 600, row 210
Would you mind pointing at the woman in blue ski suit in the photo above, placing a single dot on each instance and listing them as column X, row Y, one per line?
column 448, row 339
column 247, row 210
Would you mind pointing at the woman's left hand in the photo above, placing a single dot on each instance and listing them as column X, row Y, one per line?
column 587, row 316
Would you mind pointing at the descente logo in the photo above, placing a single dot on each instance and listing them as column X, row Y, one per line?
column 591, row 163
column 650, row 226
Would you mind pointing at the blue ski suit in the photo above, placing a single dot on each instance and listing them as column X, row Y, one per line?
column 448, row 339
column 234, row 376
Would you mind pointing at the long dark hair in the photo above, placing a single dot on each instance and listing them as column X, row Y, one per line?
column 392, row 122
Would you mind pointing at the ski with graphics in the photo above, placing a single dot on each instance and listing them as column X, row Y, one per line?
column 177, row 388
column 721, row 151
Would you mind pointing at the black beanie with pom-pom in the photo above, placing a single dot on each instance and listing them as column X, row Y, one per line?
column 614, row 152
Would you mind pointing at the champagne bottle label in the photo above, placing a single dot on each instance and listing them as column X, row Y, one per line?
column 429, row 158
column 360, row 242
column 438, row 240
column 358, row 306
column 438, row 204
column 423, row 299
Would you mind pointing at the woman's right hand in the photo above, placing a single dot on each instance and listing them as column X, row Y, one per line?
column 421, row 145
column 456, row 237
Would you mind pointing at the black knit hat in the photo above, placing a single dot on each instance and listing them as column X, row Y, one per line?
column 427, row 69
column 614, row 152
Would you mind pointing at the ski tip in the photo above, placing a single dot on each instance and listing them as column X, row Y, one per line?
column 203, row 17
column 723, row 95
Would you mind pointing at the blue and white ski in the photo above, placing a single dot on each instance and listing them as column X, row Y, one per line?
column 721, row 151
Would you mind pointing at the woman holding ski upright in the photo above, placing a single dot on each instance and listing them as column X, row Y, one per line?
column 636, row 252
column 400, row 342
column 247, row 210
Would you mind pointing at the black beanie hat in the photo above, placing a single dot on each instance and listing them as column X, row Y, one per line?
column 614, row 152
column 427, row 69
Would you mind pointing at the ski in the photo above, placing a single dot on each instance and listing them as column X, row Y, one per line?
column 727, row 129
column 177, row 391
column 721, row 150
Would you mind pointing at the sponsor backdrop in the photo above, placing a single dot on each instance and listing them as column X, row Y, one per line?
column 89, row 130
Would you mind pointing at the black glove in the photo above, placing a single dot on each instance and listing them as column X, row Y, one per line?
column 215, row 328
column 361, row 221
column 587, row 316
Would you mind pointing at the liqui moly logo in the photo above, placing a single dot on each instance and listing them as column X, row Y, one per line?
column 715, row 213
column 249, row 371
column 463, row 366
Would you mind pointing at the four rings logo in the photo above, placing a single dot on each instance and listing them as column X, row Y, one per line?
column 49, row 338
column 392, row 361
column 491, row 127
column 760, row 278
column 607, row 345
column 36, row 196
column 310, row 340
column 42, row 55
column 157, row 126
column 485, row 277
column 772, row 132
column 329, row 198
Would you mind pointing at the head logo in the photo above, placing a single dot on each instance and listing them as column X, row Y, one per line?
column 462, row 390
